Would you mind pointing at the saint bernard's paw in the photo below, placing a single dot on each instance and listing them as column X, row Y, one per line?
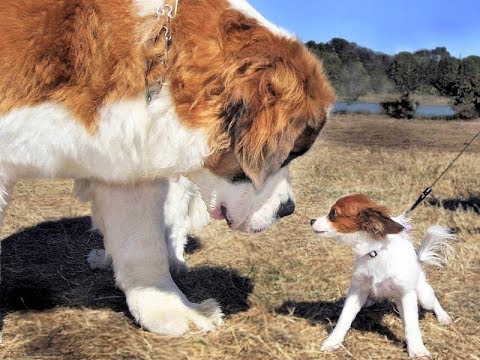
column 166, row 312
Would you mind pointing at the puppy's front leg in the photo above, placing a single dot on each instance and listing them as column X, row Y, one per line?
column 132, row 222
column 356, row 298
column 409, row 308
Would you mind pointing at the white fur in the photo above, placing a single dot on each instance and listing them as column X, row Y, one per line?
column 434, row 245
column 139, row 252
column 247, row 209
column 184, row 212
column 395, row 274
column 130, row 143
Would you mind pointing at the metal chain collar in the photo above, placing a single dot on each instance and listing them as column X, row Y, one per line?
column 169, row 11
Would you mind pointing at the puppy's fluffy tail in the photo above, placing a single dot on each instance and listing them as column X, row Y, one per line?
column 435, row 247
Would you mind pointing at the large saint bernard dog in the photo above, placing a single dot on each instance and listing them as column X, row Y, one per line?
column 234, row 100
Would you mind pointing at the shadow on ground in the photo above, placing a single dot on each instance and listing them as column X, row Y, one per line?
column 324, row 312
column 45, row 267
column 472, row 203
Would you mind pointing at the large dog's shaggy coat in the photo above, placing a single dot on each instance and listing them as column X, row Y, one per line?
column 242, row 98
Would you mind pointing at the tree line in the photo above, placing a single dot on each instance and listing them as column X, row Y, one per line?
column 355, row 71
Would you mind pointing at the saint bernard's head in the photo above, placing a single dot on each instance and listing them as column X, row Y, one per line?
column 261, row 97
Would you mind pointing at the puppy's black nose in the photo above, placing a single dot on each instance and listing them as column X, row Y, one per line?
column 286, row 208
column 312, row 221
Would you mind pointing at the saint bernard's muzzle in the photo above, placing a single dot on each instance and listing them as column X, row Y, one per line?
column 243, row 207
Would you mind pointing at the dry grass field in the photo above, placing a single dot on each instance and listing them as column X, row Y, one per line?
column 282, row 290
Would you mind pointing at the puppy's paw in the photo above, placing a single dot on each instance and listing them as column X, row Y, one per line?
column 166, row 313
column 444, row 318
column 331, row 344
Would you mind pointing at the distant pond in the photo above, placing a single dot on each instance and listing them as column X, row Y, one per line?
column 375, row 108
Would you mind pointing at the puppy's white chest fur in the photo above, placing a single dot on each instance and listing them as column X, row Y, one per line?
column 385, row 274
column 382, row 284
column 386, row 289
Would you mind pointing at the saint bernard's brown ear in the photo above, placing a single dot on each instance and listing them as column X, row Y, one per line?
column 260, row 136
column 259, row 148
column 275, row 95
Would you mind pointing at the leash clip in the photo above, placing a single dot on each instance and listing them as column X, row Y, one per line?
column 420, row 199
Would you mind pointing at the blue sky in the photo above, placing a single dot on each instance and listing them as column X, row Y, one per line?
column 389, row 26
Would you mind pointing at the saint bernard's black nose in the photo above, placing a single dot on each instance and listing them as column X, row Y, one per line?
column 286, row 208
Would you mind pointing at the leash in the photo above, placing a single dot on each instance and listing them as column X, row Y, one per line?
column 429, row 189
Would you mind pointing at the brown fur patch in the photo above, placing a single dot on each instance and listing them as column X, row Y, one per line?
column 359, row 213
column 78, row 52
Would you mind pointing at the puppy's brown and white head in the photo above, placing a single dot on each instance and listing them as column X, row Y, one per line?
column 261, row 97
column 356, row 214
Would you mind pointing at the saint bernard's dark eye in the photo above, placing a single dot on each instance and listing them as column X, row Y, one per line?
column 293, row 155
column 303, row 144
column 332, row 216
column 240, row 177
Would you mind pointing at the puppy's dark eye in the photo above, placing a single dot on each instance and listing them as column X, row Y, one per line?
column 240, row 177
column 332, row 216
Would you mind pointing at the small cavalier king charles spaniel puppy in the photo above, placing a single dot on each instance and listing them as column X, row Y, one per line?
column 386, row 267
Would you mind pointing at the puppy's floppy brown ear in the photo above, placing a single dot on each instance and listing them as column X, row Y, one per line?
column 376, row 223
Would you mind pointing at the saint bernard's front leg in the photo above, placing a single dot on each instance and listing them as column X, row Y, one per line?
column 132, row 222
